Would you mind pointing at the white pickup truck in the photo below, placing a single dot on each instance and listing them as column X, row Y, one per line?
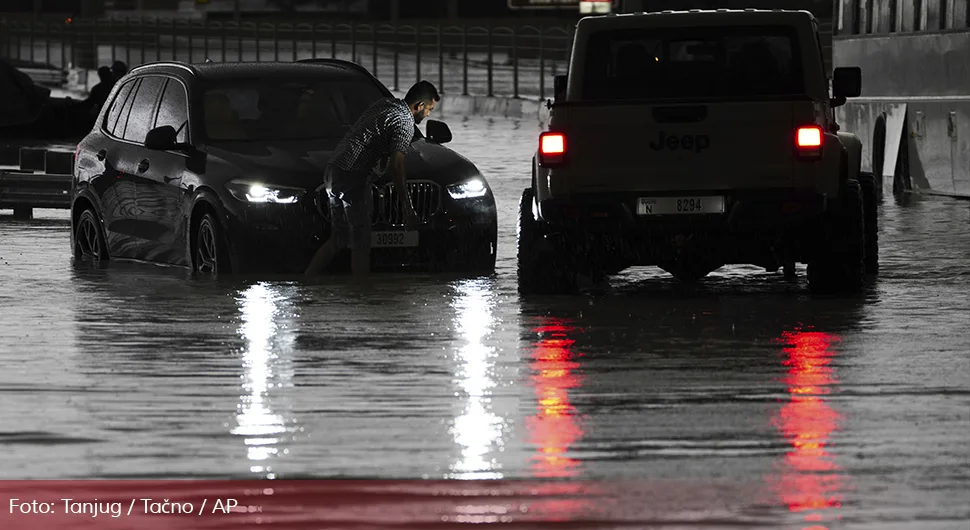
column 692, row 140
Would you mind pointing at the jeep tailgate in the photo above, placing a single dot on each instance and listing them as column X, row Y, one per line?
column 673, row 147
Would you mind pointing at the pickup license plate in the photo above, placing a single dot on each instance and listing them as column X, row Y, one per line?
column 395, row 238
column 679, row 205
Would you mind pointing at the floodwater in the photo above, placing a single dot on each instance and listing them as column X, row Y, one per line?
column 740, row 402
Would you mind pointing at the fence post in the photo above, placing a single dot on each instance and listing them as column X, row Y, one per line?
column 396, row 66
column 64, row 46
column 158, row 39
column 515, row 63
column 222, row 37
column 295, row 32
column 490, row 59
column 31, row 25
column 205, row 39
column 276, row 42
column 175, row 40
column 239, row 37
column 333, row 42
column 464, row 53
column 417, row 45
column 374, row 49
column 542, row 64
column 313, row 40
column 47, row 41
column 441, row 61
column 259, row 56
column 353, row 42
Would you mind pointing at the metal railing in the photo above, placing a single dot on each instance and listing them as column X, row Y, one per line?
column 519, row 61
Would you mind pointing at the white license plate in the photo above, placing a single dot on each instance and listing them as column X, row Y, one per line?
column 396, row 238
column 679, row 205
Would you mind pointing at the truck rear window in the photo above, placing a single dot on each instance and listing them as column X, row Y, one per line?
column 694, row 62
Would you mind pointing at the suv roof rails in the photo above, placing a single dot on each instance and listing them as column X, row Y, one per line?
column 175, row 64
column 337, row 62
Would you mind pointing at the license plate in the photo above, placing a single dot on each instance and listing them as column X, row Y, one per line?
column 394, row 239
column 679, row 205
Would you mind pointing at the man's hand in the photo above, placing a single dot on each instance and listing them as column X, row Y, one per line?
column 410, row 217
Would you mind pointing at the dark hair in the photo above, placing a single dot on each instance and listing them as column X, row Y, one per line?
column 422, row 91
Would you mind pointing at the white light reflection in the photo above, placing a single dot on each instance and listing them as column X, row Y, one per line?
column 478, row 430
column 264, row 327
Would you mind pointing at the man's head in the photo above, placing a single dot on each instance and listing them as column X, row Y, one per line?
column 421, row 100
column 105, row 75
column 119, row 69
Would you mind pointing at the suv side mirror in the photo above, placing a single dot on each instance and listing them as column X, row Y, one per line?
column 846, row 83
column 438, row 132
column 161, row 138
column 559, row 87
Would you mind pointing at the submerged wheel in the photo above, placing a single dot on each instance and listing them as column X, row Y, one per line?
column 540, row 270
column 210, row 255
column 89, row 241
column 870, row 202
column 840, row 266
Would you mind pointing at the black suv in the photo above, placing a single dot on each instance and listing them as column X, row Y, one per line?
column 218, row 167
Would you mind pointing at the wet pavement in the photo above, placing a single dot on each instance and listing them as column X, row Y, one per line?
column 740, row 402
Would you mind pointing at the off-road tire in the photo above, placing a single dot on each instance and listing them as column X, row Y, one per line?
column 540, row 271
column 870, row 201
column 839, row 267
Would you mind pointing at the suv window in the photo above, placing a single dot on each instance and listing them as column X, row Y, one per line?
column 299, row 108
column 173, row 109
column 643, row 64
column 143, row 109
column 121, row 101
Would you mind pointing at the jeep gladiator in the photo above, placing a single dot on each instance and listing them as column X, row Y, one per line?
column 693, row 140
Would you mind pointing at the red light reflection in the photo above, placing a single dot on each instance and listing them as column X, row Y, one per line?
column 554, row 427
column 810, row 482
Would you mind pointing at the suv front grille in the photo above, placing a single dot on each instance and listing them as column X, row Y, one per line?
column 425, row 196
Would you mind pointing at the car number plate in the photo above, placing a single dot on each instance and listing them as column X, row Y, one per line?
column 679, row 205
column 396, row 238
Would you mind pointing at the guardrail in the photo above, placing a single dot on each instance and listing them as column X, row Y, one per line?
column 34, row 178
column 518, row 61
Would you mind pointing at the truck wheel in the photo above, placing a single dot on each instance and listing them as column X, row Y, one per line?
column 870, row 201
column 839, row 266
column 540, row 271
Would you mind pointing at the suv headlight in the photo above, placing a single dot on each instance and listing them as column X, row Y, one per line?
column 469, row 189
column 255, row 192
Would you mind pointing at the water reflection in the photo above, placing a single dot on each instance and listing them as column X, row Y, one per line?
column 478, row 431
column 555, row 426
column 811, row 483
column 264, row 327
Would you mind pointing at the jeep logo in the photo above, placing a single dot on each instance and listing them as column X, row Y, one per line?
column 687, row 142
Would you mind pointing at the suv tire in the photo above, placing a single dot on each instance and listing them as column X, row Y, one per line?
column 540, row 270
column 870, row 201
column 839, row 266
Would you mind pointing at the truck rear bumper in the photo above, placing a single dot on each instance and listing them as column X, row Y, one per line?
column 764, row 228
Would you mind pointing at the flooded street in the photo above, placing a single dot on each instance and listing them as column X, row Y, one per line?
column 740, row 402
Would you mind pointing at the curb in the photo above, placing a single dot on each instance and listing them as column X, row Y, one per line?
column 80, row 81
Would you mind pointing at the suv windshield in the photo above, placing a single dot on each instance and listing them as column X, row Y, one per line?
column 696, row 62
column 284, row 109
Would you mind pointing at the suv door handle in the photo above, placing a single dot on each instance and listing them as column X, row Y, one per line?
column 101, row 155
column 143, row 166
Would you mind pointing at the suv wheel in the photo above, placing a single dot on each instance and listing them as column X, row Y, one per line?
column 210, row 255
column 839, row 266
column 540, row 271
column 89, row 242
column 870, row 201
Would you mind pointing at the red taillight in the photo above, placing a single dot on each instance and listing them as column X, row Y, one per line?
column 808, row 141
column 552, row 148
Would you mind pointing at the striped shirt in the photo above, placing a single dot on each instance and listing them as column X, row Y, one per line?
column 385, row 127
